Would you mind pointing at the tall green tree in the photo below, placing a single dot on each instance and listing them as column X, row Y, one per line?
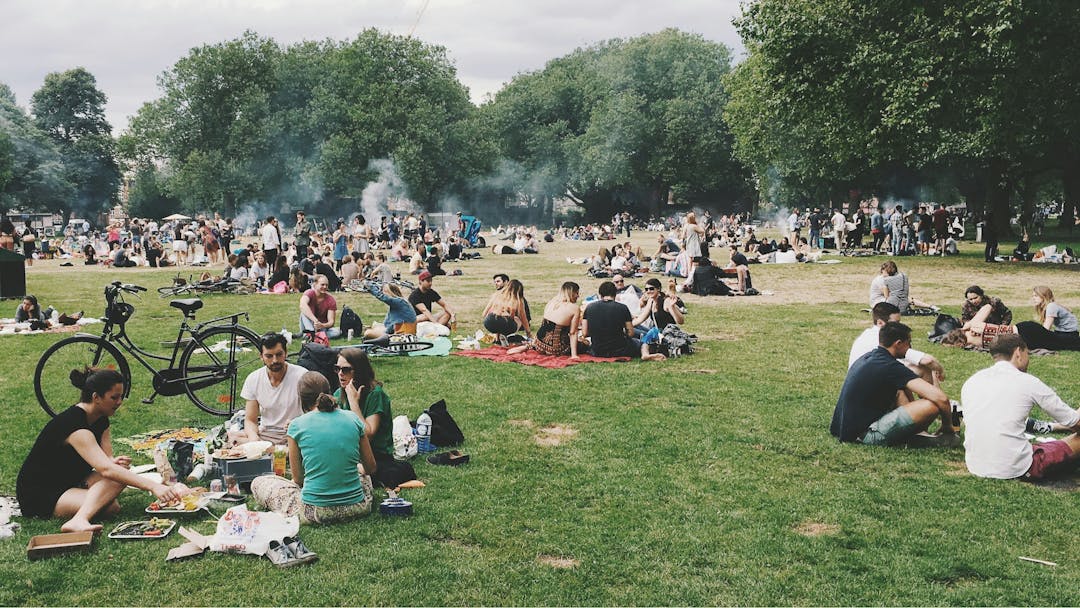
column 36, row 175
column 625, row 123
column 70, row 109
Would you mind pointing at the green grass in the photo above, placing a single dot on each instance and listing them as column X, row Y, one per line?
column 688, row 482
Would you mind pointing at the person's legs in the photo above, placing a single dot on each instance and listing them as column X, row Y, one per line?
column 333, row 333
column 276, row 494
column 375, row 330
column 306, row 325
column 80, row 505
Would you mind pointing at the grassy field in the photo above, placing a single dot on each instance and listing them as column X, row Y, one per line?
column 710, row 479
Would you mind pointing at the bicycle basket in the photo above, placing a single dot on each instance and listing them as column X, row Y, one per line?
column 120, row 312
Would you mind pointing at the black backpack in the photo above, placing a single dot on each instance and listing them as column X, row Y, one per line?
column 444, row 431
column 322, row 359
column 351, row 320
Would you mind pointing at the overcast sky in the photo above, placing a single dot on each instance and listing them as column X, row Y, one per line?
column 126, row 44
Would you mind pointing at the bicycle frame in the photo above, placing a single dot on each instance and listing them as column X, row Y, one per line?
column 166, row 380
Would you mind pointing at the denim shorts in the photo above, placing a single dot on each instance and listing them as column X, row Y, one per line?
column 895, row 427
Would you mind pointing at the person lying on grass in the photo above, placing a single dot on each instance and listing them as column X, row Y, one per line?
column 327, row 445
column 997, row 402
column 926, row 366
column 70, row 471
column 877, row 403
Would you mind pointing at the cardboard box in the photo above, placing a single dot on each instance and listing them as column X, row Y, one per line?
column 46, row 545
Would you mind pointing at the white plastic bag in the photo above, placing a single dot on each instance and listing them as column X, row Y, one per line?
column 243, row 531
column 404, row 441
column 426, row 329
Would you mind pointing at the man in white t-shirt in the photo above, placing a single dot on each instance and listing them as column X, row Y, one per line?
column 926, row 366
column 997, row 401
column 271, row 393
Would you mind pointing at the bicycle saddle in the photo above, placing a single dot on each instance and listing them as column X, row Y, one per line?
column 188, row 305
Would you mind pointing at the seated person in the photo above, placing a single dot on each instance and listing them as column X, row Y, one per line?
column 121, row 258
column 504, row 313
column 785, row 254
column 1057, row 326
column 70, row 471
column 330, row 458
column 708, row 280
column 656, row 310
column 740, row 264
column 90, row 254
column 424, row 299
column 270, row 393
column 892, row 286
column 238, row 267
column 350, row 270
column 558, row 332
column 364, row 396
column 416, row 262
column 608, row 325
column 434, row 262
column 926, row 366
column 530, row 246
column 259, row 270
column 318, row 309
column 877, row 405
column 997, row 402
column 298, row 281
column 320, row 267
column 627, row 293
column 980, row 307
column 382, row 272
column 453, row 248
column 400, row 310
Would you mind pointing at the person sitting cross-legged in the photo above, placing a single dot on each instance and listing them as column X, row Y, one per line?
column 609, row 326
column 423, row 298
column 318, row 309
column 877, row 405
column 997, row 401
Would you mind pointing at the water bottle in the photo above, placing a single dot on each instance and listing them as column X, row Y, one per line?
column 349, row 337
column 288, row 335
column 423, row 432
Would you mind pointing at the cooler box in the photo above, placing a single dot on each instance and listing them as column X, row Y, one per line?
column 245, row 470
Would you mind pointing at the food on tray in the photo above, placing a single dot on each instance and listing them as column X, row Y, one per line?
column 230, row 453
column 148, row 529
column 189, row 502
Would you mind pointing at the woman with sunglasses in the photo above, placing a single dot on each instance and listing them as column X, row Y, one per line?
column 362, row 394
column 657, row 309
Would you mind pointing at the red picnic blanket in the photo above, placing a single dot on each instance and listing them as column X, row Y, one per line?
column 531, row 357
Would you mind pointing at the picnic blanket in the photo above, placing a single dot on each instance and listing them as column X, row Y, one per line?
column 146, row 442
column 531, row 357
column 8, row 327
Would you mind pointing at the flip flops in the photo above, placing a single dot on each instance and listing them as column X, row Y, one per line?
column 452, row 458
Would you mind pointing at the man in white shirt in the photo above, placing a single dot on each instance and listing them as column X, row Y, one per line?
column 839, row 225
column 271, row 393
column 271, row 241
column 926, row 366
column 997, row 401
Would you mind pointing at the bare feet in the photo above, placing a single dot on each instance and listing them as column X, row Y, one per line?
column 79, row 525
column 653, row 357
column 517, row 349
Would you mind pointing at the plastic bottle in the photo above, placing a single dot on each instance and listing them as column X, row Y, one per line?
column 288, row 335
column 349, row 337
column 423, row 432
column 279, row 460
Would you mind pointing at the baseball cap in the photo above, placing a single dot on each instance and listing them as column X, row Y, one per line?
column 424, row 276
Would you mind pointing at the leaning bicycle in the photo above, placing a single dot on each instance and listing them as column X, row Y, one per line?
column 208, row 362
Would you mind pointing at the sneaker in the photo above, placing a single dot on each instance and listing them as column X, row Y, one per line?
column 281, row 556
column 1041, row 427
column 300, row 551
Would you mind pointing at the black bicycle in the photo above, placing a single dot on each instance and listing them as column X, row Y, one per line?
column 209, row 361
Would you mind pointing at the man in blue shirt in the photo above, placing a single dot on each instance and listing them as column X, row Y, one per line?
column 877, row 404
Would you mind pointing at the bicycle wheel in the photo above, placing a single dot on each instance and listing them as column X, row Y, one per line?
column 214, row 365
column 51, row 385
column 179, row 290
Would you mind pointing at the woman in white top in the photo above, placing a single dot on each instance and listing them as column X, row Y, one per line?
column 361, row 235
column 692, row 234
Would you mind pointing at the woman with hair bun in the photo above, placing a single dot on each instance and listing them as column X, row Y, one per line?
column 326, row 446
column 71, row 471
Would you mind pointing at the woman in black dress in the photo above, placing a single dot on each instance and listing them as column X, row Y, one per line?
column 71, row 471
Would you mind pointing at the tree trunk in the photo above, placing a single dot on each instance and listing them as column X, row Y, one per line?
column 1071, row 182
column 999, row 189
column 1027, row 202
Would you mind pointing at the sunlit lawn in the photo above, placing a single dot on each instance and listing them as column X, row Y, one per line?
column 710, row 479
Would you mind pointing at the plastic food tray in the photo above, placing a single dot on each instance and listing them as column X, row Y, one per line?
column 116, row 531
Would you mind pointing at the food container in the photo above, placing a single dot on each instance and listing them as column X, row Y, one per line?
column 396, row 507
column 244, row 470
column 47, row 545
column 138, row 530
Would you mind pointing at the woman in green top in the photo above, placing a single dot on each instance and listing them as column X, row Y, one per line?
column 364, row 396
column 326, row 445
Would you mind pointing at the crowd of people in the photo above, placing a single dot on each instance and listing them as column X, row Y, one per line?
column 340, row 442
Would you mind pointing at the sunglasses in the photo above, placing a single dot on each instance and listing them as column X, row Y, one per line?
column 650, row 289
column 343, row 369
column 618, row 282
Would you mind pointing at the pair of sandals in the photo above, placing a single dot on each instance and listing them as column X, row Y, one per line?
column 290, row 551
column 452, row 458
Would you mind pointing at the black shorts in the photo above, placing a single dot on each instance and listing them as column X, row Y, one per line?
column 500, row 325
column 39, row 501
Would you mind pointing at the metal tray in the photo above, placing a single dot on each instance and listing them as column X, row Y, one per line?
column 116, row 531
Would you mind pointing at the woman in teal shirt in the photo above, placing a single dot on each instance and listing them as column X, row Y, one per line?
column 326, row 444
column 362, row 394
